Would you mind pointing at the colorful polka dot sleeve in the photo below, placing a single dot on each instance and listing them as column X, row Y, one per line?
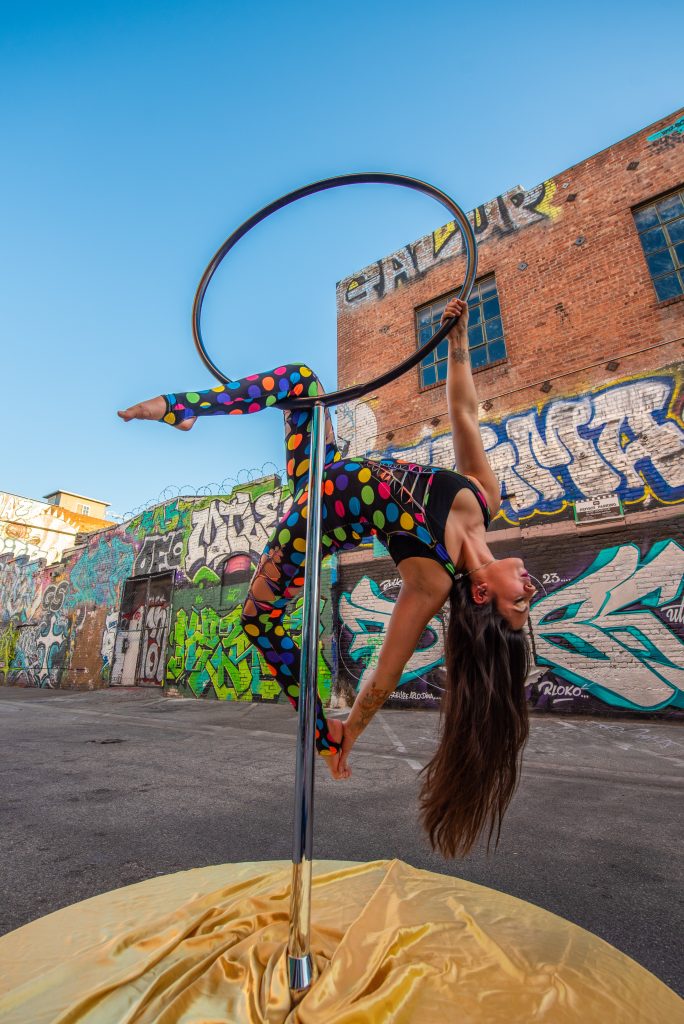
column 359, row 497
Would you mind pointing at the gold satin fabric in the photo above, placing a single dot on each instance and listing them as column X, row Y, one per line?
column 391, row 943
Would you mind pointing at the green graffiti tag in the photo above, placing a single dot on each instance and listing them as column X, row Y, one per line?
column 8, row 645
column 210, row 651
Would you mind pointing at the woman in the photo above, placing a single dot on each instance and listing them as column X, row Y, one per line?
column 433, row 522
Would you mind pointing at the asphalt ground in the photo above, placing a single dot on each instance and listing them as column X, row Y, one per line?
column 107, row 788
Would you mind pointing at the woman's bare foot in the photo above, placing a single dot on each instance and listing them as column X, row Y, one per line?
column 336, row 730
column 152, row 409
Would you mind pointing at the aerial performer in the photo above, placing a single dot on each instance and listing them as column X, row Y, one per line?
column 433, row 522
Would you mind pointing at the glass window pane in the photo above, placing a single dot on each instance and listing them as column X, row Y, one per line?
column 676, row 230
column 443, row 349
column 487, row 287
column 475, row 336
column 428, row 361
column 475, row 314
column 429, row 376
column 679, row 254
column 442, row 370
column 494, row 328
column 497, row 350
column 660, row 262
column 424, row 334
column 653, row 240
column 668, row 287
column 647, row 218
column 424, row 316
column 491, row 307
column 478, row 357
column 670, row 207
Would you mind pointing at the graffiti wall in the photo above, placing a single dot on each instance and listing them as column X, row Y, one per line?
column 507, row 213
column 153, row 602
column 608, row 634
column 610, row 630
column 364, row 596
column 626, row 438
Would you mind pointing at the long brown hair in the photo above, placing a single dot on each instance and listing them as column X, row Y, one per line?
column 469, row 782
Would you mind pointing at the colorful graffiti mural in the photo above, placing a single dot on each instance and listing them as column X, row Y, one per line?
column 211, row 655
column 615, row 630
column 510, row 212
column 625, row 439
column 39, row 653
column 608, row 634
column 364, row 612
column 104, row 612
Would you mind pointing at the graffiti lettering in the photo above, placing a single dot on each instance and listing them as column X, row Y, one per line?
column 511, row 212
column 625, row 439
column 210, row 652
column 241, row 524
column 364, row 615
column 39, row 652
column 159, row 553
column 154, row 641
column 54, row 595
column 603, row 632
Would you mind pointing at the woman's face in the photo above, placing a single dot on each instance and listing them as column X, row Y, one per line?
column 507, row 583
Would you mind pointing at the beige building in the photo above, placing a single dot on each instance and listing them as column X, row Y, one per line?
column 45, row 530
column 78, row 503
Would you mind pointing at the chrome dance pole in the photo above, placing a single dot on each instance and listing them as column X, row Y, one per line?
column 299, row 960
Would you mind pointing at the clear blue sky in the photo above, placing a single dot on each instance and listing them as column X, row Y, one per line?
column 136, row 136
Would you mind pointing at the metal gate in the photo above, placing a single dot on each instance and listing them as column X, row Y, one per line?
column 140, row 648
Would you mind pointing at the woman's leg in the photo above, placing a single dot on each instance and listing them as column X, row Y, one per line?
column 251, row 394
column 347, row 507
column 276, row 582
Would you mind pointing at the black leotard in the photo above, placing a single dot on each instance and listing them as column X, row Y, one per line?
column 435, row 490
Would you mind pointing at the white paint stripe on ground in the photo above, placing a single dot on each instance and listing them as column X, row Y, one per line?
column 398, row 745
column 394, row 739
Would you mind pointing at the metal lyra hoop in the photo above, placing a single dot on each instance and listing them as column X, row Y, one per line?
column 371, row 178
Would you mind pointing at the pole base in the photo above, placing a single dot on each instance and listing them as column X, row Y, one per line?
column 300, row 972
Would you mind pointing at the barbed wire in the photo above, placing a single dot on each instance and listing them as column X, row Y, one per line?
column 212, row 489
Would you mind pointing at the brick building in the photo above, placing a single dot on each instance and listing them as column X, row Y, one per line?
column 576, row 336
column 577, row 326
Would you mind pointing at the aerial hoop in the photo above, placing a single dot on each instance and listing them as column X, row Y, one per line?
column 372, row 178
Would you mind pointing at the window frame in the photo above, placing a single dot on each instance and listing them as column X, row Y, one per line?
column 671, row 247
column 433, row 321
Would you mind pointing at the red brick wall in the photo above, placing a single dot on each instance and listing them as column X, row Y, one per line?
column 574, row 309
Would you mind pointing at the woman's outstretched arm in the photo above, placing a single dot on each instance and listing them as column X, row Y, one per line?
column 416, row 605
column 462, row 401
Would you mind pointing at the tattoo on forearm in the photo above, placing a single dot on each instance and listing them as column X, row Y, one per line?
column 459, row 355
column 369, row 704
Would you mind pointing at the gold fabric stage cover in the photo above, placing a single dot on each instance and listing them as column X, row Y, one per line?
column 391, row 944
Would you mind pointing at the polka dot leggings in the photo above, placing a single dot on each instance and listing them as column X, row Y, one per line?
column 358, row 496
